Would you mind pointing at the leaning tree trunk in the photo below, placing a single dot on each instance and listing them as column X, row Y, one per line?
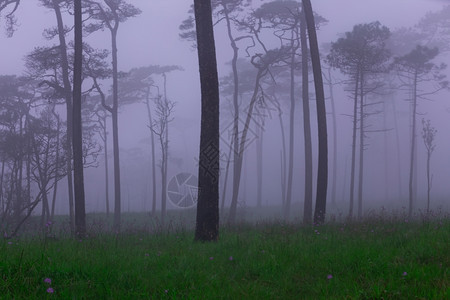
column 322, row 171
column 207, row 221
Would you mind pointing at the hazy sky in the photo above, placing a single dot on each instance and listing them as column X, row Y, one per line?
column 152, row 38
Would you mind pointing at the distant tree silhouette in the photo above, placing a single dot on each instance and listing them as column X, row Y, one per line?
column 415, row 68
column 359, row 54
column 110, row 16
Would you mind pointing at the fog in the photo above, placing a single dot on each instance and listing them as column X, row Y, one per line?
column 152, row 38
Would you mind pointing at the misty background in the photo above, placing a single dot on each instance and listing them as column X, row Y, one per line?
column 152, row 38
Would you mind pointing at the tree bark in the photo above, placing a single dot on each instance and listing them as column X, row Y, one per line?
column 322, row 171
column 207, row 221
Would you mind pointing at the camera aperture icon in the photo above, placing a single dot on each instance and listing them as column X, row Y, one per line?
column 182, row 190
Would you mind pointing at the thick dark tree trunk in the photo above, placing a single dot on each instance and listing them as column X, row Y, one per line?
column 322, row 171
column 307, row 209
column 207, row 222
column 68, row 99
column 80, row 215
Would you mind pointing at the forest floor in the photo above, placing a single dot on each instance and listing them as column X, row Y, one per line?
column 372, row 259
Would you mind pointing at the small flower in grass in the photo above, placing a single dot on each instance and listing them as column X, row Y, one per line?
column 9, row 243
column 404, row 274
column 166, row 291
column 50, row 290
column 48, row 280
column 230, row 258
column 329, row 276
column 211, row 258
column 146, row 254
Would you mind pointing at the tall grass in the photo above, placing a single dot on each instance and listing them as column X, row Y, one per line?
column 373, row 259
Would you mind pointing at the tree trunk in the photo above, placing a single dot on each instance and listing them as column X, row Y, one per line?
column 240, row 156
column 413, row 145
column 287, row 207
column 68, row 98
column 322, row 171
column 361, row 146
column 105, row 146
column 334, row 120
column 225, row 183
column 55, row 184
column 353, row 167
column 152, row 139
column 237, row 161
column 307, row 210
column 259, row 164
column 115, row 128
column 428, row 181
column 80, row 214
column 207, row 221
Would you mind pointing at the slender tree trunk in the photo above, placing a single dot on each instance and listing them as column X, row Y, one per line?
column 165, row 154
column 413, row 145
column 2, row 199
column 105, row 146
column 283, row 157
column 287, row 207
column 259, row 164
column 152, row 140
column 80, row 214
column 227, row 169
column 353, row 167
column 428, row 181
column 207, row 222
column 361, row 147
column 115, row 128
column 240, row 155
column 237, row 161
column 335, row 148
column 307, row 210
column 386, row 153
column 322, row 171
column 68, row 98
column 55, row 184
column 397, row 144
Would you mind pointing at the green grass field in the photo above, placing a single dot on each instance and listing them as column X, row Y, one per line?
column 367, row 260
